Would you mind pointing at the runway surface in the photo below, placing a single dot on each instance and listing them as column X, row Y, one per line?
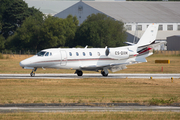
column 74, row 76
column 87, row 108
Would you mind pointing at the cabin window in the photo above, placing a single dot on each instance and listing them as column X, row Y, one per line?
column 98, row 53
column 70, row 54
column 84, row 54
column 77, row 54
column 47, row 54
column 41, row 53
column 50, row 54
column 90, row 53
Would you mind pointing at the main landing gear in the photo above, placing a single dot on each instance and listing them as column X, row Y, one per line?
column 79, row 72
column 104, row 74
column 33, row 72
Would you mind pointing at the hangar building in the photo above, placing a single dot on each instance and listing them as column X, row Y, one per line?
column 136, row 15
column 170, row 42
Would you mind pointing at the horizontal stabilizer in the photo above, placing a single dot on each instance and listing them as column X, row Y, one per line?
column 141, row 59
column 129, row 43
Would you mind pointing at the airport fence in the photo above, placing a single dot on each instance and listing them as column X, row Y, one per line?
column 19, row 52
column 167, row 52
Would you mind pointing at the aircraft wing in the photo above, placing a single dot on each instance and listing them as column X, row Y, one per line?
column 113, row 67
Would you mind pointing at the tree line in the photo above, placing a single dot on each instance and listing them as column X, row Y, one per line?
column 23, row 28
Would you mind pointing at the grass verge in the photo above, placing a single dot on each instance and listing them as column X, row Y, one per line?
column 143, row 91
column 155, row 101
column 93, row 116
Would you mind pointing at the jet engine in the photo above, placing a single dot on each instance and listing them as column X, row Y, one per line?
column 117, row 53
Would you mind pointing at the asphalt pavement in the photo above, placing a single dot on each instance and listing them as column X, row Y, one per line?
column 74, row 76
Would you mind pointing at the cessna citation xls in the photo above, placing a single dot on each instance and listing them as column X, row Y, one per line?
column 94, row 59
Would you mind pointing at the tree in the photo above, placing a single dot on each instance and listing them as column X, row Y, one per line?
column 71, row 27
column 40, row 32
column 99, row 30
column 2, row 41
column 14, row 15
column 4, row 4
column 58, row 32
column 28, row 35
column 53, row 32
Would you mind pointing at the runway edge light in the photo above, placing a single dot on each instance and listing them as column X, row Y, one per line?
column 171, row 79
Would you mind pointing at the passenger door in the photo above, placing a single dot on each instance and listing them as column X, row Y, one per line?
column 63, row 58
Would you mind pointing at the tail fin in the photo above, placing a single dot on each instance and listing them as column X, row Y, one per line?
column 149, row 35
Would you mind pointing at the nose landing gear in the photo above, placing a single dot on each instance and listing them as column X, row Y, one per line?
column 33, row 72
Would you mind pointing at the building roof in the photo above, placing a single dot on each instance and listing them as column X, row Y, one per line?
column 50, row 6
column 127, row 11
column 141, row 12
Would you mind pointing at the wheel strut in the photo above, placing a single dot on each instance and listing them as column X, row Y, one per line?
column 32, row 74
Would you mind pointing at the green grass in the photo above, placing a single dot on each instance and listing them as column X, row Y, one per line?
column 92, row 116
column 155, row 101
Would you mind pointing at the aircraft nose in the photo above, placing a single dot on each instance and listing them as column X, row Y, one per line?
column 23, row 63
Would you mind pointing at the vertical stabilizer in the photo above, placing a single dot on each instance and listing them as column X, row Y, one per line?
column 149, row 35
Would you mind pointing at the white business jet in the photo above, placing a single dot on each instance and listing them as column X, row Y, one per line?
column 94, row 59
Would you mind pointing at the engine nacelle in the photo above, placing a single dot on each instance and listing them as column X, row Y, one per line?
column 117, row 53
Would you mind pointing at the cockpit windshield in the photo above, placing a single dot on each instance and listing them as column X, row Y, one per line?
column 41, row 53
column 47, row 54
column 44, row 53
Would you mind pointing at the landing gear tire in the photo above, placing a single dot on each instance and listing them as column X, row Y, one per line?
column 104, row 74
column 79, row 72
column 32, row 74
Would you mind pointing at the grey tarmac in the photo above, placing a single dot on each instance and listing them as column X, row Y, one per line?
column 74, row 76
column 87, row 108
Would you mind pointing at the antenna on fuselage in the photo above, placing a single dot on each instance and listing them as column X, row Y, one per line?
column 86, row 46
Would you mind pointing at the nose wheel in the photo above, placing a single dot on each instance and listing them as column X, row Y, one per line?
column 32, row 74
